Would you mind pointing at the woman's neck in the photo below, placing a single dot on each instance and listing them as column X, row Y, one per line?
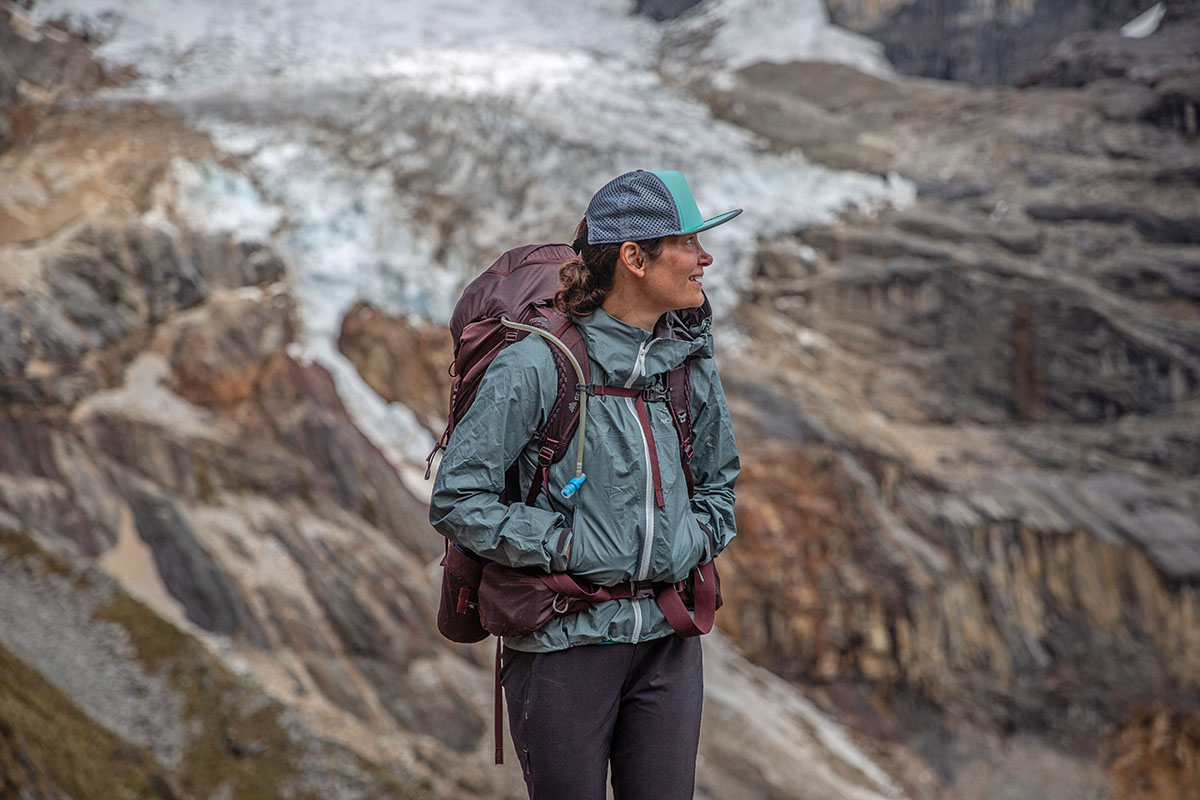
column 623, row 305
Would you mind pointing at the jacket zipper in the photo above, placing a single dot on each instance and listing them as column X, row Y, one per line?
column 639, row 367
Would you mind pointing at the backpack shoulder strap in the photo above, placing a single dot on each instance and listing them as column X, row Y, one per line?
column 678, row 384
column 563, row 417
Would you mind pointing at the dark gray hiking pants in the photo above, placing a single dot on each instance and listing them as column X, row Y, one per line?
column 573, row 711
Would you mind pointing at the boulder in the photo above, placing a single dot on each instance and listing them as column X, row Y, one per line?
column 403, row 361
column 217, row 357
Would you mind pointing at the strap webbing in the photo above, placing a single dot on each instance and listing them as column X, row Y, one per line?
column 704, row 583
column 554, row 439
column 499, row 711
column 704, row 600
column 679, row 403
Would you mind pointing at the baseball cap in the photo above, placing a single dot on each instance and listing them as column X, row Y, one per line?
column 647, row 204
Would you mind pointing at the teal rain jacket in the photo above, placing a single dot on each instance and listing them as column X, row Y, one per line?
column 612, row 527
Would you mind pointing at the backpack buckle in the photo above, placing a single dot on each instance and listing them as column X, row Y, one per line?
column 644, row 590
column 655, row 394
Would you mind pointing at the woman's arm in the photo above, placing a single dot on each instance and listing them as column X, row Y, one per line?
column 465, row 506
column 714, row 463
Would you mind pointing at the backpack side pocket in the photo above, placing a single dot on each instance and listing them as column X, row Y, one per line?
column 458, row 611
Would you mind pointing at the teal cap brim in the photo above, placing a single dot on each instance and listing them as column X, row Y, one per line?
column 715, row 221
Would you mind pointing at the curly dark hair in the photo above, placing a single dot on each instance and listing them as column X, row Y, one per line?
column 588, row 278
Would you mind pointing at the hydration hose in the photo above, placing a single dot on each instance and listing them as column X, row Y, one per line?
column 581, row 389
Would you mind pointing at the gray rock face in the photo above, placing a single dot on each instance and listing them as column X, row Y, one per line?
column 1091, row 56
column 103, row 288
column 51, row 335
column 9, row 87
column 427, row 701
column 98, row 297
column 1155, row 79
column 52, row 61
column 999, row 333
column 968, row 428
column 1153, row 226
column 171, row 282
column 45, row 488
column 978, row 44
column 14, row 351
column 189, row 572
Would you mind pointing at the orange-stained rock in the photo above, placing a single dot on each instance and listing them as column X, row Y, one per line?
column 805, row 591
column 1156, row 756
column 404, row 362
column 218, row 356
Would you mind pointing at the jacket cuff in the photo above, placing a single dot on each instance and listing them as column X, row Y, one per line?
column 561, row 552
column 710, row 542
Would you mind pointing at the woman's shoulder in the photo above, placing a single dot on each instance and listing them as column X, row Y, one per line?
column 529, row 353
column 525, row 366
column 704, row 379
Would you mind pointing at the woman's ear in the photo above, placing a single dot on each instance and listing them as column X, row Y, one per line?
column 632, row 258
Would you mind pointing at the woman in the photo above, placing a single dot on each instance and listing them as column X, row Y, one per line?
column 612, row 683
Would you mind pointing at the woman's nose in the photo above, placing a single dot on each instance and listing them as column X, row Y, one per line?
column 705, row 258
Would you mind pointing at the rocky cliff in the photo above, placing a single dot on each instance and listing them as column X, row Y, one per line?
column 978, row 43
column 971, row 426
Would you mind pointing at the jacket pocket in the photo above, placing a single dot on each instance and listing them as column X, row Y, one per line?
column 681, row 550
column 605, row 547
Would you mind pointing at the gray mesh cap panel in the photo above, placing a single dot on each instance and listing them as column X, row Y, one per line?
column 632, row 207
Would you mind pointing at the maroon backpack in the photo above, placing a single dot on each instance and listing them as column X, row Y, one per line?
column 519, row 287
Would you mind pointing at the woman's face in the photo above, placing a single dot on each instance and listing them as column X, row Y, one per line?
column 673, row 279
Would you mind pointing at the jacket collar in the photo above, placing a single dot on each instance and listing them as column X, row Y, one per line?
column 614, row 345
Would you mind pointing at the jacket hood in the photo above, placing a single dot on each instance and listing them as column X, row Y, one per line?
column 615, row 346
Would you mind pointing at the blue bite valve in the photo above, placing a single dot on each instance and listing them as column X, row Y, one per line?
column 573, row 485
